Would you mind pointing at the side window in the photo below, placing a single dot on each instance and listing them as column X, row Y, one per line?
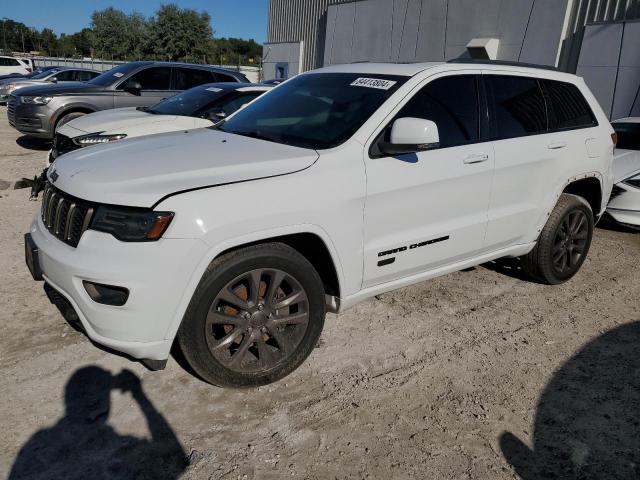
column 452, row 103
column 187, row 78
column 82, row 76
column 13, row 62
column 65, row 76
column 154, row 78
column 233, row 104
column 517, row 106
column 567, row 106
column 221, row 77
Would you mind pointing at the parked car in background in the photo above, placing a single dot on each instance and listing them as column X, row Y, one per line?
column 54, row 75
column 38, row 111
column 27, row 75
column 197, row 107
column 624, row 204
column 338, row 185
column 9, row 65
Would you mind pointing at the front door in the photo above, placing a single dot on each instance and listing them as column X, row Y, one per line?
column 154, row 83
column 429, row 209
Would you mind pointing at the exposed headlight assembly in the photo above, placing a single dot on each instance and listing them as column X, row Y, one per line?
column 130, row 224
column 35, row 100
column 633, row 181
column 97, row 139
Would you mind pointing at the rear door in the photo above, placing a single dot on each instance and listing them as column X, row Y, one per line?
column 429, row 209
column 155, row 83
column 529, row 159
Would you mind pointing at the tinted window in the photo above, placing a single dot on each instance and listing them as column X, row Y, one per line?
column 13, row 62
column 65, row 76
column 154, row 78
column 187, row 78
column 628, row 135
column 82, row 76
column 190, row 102
column 45, row 74
column 452, row 103
column 567, row 107
column 229, row 106
column 517, row 106
column 221, row 77
column 318, row 110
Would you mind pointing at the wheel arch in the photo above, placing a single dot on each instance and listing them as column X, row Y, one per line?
column 588, row 187
column 77, row 108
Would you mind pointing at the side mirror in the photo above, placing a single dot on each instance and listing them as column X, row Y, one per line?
column 215, row 115
column 411, row 135
column 53, row 80
column 133, row 87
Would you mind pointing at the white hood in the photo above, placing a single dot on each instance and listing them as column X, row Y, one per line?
column 626, row 163
column 121, row 119
column 139, row 172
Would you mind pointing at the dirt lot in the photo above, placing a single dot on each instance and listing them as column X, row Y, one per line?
column 478, row 374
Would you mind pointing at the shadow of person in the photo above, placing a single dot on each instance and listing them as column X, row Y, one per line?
column 83, row 445
column 587, row 423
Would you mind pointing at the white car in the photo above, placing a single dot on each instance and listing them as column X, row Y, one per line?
column 10, row 65
column 337, row 185
column 624, row 204
column 198, row 107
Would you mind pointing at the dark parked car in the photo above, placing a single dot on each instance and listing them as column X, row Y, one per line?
column 53, row 75
column 38, row 111
column 21, row 76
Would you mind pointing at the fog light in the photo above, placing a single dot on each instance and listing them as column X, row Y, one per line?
column 106, row 294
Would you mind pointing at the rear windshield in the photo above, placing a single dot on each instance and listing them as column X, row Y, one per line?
column 628, row 135
column 318, row 110
column 114, row 75
column 188, row 103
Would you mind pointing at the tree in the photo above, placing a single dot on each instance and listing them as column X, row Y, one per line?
column 179, row 34
column 118, row 35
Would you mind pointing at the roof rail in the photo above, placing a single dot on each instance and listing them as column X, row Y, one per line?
column 475, row 61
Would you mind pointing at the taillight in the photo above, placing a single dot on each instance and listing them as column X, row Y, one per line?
column 29, row 69
column 614, row 138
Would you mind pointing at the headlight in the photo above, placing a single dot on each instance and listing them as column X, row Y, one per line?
column 633, row 181
column 131, row 224
column 96, row 139
column 35, row 100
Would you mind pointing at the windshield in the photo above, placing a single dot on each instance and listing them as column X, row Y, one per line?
column 628, row 135
column 114, row 75
column 318, row 110
column 188, row 103
column 45, row 74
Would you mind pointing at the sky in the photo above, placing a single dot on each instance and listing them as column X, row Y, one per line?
column 229, row 18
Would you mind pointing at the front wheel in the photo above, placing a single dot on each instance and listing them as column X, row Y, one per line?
column 255, row 317
column 563, row 243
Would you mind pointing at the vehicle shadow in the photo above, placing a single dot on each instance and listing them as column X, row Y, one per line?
column 32, row 143
column 608, row 223
column 83, row 445
column 587, row 423
column 510, row 267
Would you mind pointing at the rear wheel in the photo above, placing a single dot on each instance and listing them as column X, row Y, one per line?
column 563, row 243
column 255, row 317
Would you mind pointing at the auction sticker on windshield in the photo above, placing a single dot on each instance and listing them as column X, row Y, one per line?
column 373, row 83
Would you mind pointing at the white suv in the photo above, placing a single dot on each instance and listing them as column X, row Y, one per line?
column 339, row 184
column 11, row 65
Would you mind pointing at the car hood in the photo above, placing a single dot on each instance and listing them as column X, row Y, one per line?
column 62, row 88
column 626, row 163
column 141, row 171
column 119, row 119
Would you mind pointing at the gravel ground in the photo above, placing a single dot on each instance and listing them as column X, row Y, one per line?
column 479, row 374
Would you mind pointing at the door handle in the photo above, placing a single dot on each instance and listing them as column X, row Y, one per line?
column 556, row 145
column 471, row 159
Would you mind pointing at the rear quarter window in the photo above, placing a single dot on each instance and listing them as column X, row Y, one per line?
column 567, row 107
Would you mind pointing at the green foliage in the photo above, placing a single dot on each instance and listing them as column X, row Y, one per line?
column 173, row 33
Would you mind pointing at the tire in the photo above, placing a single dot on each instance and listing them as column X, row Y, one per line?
column 67, row 118
column 564, row 242
column 237, row 335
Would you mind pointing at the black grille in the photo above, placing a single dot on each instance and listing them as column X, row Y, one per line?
column 11, row 110
column 62, row 145
column 65, row 217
